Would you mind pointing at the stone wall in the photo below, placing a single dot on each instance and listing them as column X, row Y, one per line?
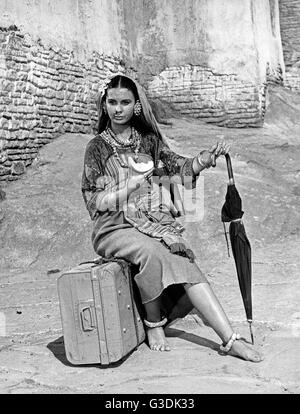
column 290, row 34
column 44, row 92
column 292, row 79
column 222, row 99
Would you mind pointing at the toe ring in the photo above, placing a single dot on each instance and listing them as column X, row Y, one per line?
column 227, row 347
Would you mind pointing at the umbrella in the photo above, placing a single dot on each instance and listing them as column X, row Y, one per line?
column 232, row 212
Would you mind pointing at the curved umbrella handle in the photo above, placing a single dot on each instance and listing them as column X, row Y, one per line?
column 229, row 169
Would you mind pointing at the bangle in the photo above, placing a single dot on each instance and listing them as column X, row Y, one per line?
column 203, row 164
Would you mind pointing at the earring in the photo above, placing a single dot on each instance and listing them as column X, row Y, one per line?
column 137, row 110
column 104, row 109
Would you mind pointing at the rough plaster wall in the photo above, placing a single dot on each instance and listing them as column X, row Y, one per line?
column 230, row 36
column 290, row 33
column 222, row 99
column 235, row 44
column 78, row 25
column 267, row 40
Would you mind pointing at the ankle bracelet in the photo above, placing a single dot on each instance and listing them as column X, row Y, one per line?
column 227, row 347
column 155, row 324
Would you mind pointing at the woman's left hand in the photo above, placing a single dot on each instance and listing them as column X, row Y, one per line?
column 220, row 148
column 207, row 158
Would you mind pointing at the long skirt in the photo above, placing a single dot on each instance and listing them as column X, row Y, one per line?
column 159, row 273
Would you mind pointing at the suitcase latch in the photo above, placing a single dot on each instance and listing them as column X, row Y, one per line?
column 87, row 319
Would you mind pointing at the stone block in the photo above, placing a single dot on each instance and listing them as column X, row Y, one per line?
column 3, row 143
column 30, row 88
column 12, row 178
column 15, row 144
column 3, row 157
column 18, row 168
column 4, row 171
column 42, row 141
column 7, row 86
column 50, row 94
column 24, row 109
column 19, row 86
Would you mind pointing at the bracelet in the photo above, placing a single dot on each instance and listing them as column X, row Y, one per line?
column 155, row 324
column 202, row 163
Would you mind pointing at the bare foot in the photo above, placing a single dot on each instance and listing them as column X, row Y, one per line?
column 157, row 339
column 241, row 350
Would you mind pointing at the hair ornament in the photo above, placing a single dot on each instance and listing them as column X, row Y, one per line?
column 107, row 81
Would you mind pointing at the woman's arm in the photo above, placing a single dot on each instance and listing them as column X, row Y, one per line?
column 115, row 198
column 173, row 163
column 95, row 184
column 179, row 165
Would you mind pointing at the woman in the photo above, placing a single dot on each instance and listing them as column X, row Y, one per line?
column 133, row 222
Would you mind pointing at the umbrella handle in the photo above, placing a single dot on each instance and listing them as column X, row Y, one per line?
column 229, row 169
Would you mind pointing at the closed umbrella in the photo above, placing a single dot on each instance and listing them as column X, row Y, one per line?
column 232, row 213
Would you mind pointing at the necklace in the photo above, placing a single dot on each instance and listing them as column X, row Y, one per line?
column 133, row 142
column 124, row 138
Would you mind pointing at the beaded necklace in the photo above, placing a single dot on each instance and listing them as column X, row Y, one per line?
column 133, row 142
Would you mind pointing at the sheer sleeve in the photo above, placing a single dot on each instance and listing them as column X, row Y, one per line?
column 94, row 182
column 173, row 164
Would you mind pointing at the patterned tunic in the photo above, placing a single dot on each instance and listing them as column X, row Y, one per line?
column 151, row 209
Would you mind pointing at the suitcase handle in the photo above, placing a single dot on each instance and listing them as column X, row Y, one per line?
column 87, row 319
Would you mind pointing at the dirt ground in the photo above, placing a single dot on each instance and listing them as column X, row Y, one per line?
column 45, row 230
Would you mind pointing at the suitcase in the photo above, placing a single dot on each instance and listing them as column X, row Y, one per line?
column 100, row 318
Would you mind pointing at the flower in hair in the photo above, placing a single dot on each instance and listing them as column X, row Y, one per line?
column 105, row 84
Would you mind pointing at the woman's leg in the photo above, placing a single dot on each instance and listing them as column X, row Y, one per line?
column 204, row 300
column 156, row 336
column 149, row 255
column 153, row 260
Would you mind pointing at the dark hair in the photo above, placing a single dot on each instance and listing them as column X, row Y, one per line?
column 120, row 81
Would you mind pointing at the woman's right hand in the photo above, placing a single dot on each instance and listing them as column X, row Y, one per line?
column 135, row 181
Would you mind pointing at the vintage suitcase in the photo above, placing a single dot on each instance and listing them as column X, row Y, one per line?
column 100, row 319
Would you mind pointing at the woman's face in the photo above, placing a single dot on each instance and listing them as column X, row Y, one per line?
column 120, row 104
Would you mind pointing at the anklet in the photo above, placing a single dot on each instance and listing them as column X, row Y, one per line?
column 155, row 324
column 227, row 347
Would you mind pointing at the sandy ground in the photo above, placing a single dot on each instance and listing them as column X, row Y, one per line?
column 45, row 230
